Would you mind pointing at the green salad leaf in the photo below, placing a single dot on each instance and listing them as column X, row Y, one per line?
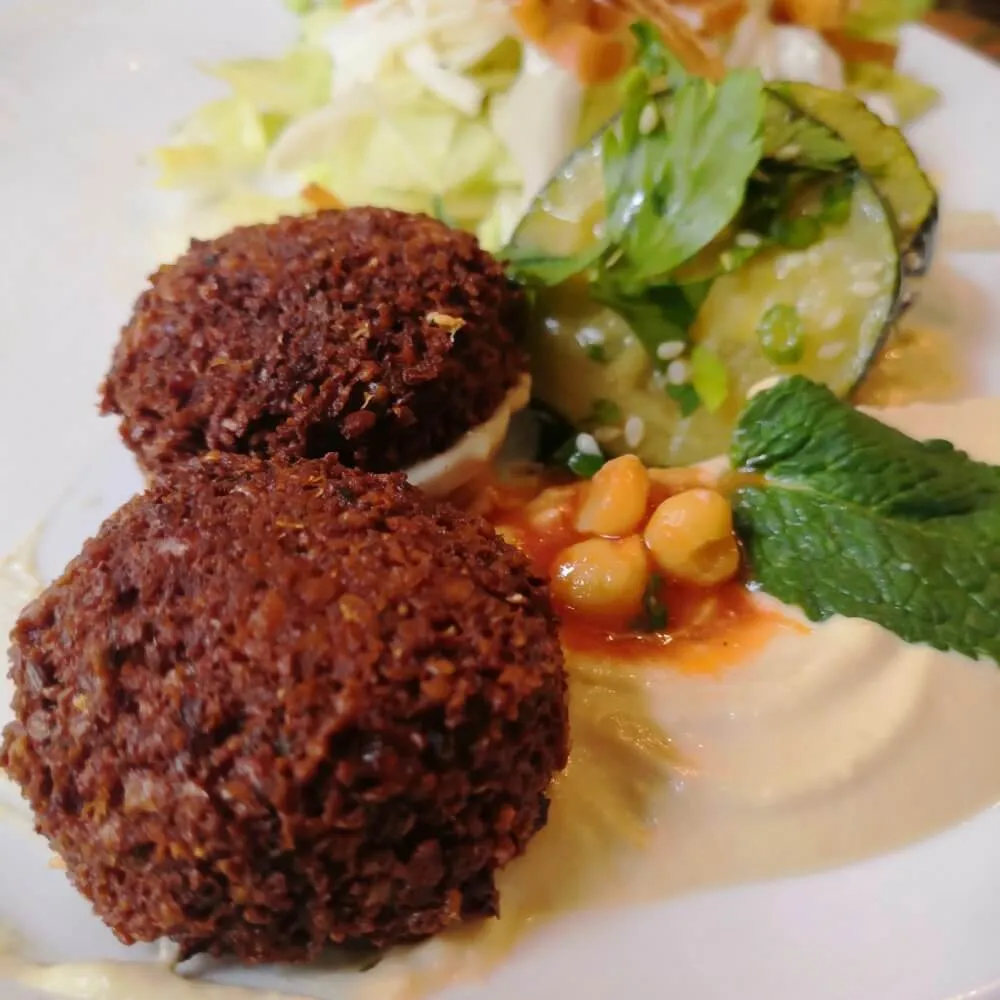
column 671, row 188
column 854, row 518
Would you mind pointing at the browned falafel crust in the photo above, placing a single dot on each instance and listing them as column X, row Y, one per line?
column 286, row 706
column 368, row 333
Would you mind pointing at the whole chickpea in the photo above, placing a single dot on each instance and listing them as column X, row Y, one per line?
column 616, row 498
column 690, row 537
column 602, row 576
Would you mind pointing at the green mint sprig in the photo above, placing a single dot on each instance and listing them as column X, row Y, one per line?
column 854, row 518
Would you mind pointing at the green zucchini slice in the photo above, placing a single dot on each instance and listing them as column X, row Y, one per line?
column 841, row 290
column 885, row 156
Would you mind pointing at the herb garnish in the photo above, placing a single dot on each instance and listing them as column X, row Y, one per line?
column 855, row 518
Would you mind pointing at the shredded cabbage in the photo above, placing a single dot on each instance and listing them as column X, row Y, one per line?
column 420, row 105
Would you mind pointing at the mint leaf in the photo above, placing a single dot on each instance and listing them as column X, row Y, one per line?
column 670, row 190
column 855, row 518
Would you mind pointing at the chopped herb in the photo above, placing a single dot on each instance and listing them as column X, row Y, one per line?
column 583, row 464
column 798, row 233
column 855, row 518
column 709, row 377
column 791, row 137
column 837, row 197
column 781, row 334
column 686, row 397
column 604, row 412
column 654, row 610
column 596, row 352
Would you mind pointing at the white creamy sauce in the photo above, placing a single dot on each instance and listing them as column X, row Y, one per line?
column 831, row 744
column 473, row 452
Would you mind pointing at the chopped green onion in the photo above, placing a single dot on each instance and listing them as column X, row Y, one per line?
column 605, row 411
column 799, row 233
column 781, row 335
column 837, row 197
column 686, row 397
column 582, row 463
column 709, row 377
column 655, row 617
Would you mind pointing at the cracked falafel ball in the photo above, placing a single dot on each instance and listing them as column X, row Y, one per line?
column 272, row 707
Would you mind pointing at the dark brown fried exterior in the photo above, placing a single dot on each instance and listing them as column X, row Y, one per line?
column 369, row 333
column 284, row 706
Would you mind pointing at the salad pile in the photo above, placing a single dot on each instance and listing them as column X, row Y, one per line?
column 464, row 108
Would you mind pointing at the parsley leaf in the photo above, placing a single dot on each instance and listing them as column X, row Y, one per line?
column 670, row 191
column 855, row 518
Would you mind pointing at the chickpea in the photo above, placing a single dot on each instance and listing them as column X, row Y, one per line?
column 552, row 509
column 677, row 479
column 603, row 576
column 616, row 498
column 690, row 537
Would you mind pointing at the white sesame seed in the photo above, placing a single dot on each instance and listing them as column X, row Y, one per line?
column 867, row 269
column 670, row 349
column 649, row 118
column 587, row 444
column 788, row 152
column 748, row 240
column 635, row 431
column 912, row 260
column 832, row 318
column 764, row 384
column 678, row 372
column 605, row 435
column 783, row 266
column 865, row 289
column 658, row 379
column 590, row 336
column 832, row 350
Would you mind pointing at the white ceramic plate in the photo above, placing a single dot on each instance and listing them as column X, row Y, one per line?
column 85, row 89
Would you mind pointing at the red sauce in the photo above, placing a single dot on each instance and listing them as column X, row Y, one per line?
column 708, row 629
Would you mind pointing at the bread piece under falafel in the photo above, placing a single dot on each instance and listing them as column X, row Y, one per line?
column 269, row 708
column 373, row 334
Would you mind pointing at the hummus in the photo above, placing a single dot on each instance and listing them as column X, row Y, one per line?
column 829, row 744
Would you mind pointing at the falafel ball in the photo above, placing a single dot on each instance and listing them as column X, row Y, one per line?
column 372, row 334
column 280, row 706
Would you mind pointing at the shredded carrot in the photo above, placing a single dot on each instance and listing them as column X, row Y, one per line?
column 854, row 49
column 320, row 198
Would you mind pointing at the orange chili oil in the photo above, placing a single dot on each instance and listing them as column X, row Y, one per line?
column 708, row 629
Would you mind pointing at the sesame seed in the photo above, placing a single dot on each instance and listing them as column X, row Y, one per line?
column 590, row 336
column 748, row 240
column 788, row 263
column 587, row 444
column 912, row 260
column 764, row 384
column 788, row 152
column 635, row 431
column 649, row 118
column 670, row 349
column 605, row 435
column 865, row 289
column 832, row 318
column 867, row 269
column 678, row 372
column 829, row 351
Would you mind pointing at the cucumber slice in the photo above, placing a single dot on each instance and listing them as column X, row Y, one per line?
column 885, row 156
column 844, row 289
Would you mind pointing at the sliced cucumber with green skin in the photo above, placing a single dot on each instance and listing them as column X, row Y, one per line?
column 884, row 154
column 844, row 287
